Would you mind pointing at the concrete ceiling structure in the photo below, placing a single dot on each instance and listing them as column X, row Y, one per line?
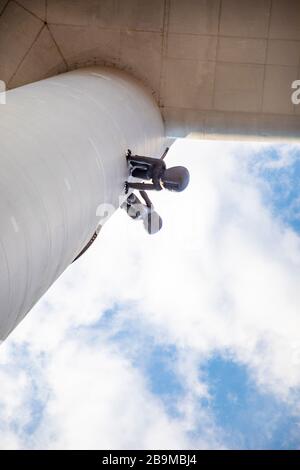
column 218, row 68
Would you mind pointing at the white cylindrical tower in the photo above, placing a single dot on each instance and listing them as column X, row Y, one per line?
column 62, row 154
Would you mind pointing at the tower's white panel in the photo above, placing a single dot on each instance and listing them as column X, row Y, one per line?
column 62, row 154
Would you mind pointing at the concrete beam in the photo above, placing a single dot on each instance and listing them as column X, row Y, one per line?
column 230, row 61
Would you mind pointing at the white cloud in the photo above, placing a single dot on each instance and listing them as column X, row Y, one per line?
column 113, row 407
column 221, row 277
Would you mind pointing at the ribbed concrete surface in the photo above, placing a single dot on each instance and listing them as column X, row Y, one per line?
column 63, row 167
column 218, row 67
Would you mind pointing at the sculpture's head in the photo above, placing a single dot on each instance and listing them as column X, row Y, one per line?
column 176, row 178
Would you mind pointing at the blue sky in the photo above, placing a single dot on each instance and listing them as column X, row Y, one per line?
column 252, row 419
column 188, row 339
column 248, row 417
